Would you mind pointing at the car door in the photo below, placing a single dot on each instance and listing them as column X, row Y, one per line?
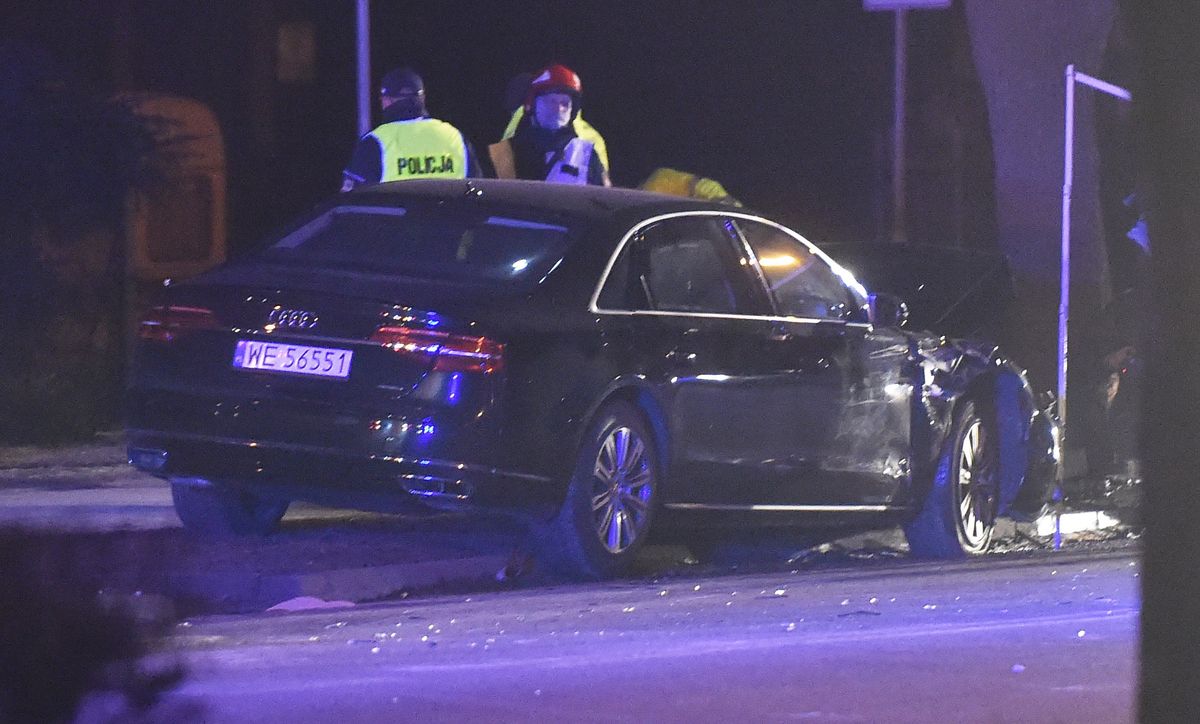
column 843, row 384
column 688, row 319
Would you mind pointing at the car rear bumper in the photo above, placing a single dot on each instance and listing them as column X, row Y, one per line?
column 335, row 477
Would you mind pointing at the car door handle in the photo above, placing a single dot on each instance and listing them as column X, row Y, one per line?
column 779, row 333
column 680, row 355
column 683, row 353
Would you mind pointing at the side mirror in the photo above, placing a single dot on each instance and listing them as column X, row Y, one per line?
column 888, row 310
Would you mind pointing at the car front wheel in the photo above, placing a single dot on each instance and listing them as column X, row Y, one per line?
column 610, row 499
column 959, row 515
column 213, row 508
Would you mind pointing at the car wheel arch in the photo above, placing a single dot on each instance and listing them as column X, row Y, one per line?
column 637, row 392
column 579, row 539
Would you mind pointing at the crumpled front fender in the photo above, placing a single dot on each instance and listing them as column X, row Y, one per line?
column 955, row 371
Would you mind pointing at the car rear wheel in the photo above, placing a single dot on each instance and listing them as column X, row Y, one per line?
column 610, row 500
column 213, row 508
column 958, row 517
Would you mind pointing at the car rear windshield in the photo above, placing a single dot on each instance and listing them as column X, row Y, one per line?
column 437, row 242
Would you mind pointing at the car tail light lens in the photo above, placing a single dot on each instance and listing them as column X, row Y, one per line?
column 165, row 324
column 448, row 352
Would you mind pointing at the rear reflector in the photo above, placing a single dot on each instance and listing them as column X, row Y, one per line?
column 448, row 352
column 164, row 324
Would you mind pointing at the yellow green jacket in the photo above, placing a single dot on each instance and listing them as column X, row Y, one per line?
column 583, row 129
column 681, row 183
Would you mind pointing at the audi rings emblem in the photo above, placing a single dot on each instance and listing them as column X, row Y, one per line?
column 292, row 318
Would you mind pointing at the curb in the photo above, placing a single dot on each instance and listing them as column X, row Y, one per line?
column 84, row 522
column 106, row 449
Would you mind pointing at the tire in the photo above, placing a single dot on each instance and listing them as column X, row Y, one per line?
column 216, row 509
column 606, row 515
column 958, row 517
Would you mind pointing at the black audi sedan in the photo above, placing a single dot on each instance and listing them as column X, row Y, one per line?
column 596, row 361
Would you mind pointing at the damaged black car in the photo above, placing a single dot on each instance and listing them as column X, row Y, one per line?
column 600, row 362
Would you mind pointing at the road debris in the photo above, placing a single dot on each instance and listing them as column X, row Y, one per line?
column 308, row 603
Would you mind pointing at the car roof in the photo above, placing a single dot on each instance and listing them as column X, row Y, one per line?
column 584, row 201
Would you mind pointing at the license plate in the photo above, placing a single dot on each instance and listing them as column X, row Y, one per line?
column 293, row 358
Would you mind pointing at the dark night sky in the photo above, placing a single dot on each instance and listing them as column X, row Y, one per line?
column 785, row 102
column 778, row 100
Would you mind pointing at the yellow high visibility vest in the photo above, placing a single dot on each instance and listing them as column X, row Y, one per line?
column 583, row 130
column 421, row 148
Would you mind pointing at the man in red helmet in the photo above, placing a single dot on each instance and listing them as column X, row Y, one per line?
column 545, row 146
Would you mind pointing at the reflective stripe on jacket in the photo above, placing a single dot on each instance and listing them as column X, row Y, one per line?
column 421, row 148
column 503, row 161
column 572, row 167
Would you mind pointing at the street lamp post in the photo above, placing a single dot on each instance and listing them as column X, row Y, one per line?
column 1064, row 299
column 363, row 26
column 899, row 205
column 900, row 77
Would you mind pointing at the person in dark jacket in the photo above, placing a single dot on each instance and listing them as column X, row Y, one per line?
column 408, row 144
column 545, row 146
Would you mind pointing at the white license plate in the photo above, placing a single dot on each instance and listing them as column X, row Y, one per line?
column 293, row 358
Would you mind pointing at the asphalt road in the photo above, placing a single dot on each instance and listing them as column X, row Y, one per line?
column 858, row 632
column 1032, row 637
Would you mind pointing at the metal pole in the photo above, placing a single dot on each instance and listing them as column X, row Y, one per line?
column 1101, row 85
column 363, row 24
column 899, row 212
column 1064, row 292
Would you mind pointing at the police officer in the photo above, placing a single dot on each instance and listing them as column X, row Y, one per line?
column 409, row 144
column 546, row 146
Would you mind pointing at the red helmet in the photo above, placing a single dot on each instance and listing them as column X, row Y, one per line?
column 554, row 79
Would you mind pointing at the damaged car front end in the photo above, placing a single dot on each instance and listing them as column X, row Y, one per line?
column 970, row 395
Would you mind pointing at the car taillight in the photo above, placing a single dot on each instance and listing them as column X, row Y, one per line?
column 164, row 324
column 449, row 352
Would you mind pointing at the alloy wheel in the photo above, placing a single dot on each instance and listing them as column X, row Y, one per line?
column 622, row 485
column 974, row 493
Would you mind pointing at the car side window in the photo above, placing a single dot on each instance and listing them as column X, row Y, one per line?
column 801, row 282
column 622, row 291
column 686, row 264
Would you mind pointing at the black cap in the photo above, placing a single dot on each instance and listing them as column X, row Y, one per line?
column 401, row 81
